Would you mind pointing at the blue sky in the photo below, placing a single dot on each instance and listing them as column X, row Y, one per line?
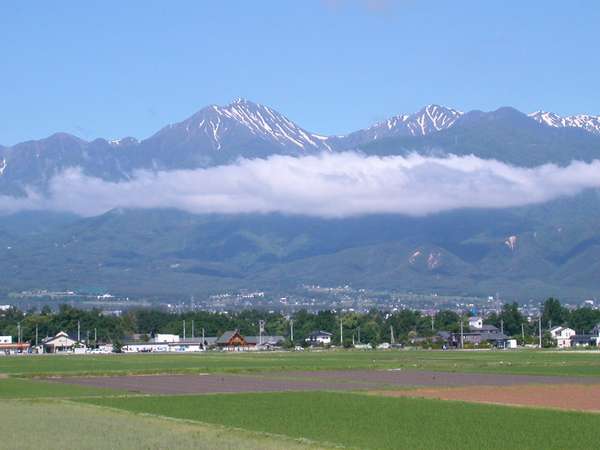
column 111, row 69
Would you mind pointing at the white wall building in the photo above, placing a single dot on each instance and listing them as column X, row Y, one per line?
column 475, row 323
column 319, row 338
column 562, row 336
column 162, row 338
column 60, row 343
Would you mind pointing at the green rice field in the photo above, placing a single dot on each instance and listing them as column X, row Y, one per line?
column 514, row 362
column 100, row 418
column 370, row 422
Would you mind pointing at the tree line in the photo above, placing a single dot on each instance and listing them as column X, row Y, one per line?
column 372, row 327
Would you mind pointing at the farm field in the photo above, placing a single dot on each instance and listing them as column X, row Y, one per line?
column 369, row 422
column 63, row 425
column 508, row 362
column 367, row 400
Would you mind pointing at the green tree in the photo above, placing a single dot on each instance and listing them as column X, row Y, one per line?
column 554, row 313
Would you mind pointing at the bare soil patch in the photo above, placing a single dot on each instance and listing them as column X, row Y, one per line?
column 565, row 396
column 204, row 384
column 306, row 381
column 414, row 378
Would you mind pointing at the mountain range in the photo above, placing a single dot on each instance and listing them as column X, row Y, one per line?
column 218, row 135
column 547, row 249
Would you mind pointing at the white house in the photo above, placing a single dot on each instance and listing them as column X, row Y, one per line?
column 319, row 338
column 162, row 338
column 60, row 343
column 475, row 323
column 562, row 336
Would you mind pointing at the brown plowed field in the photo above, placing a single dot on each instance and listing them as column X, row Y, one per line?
column 205, row 384
column 565, row 396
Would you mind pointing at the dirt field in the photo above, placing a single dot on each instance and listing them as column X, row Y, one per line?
column 412, row 378
column 571, row 397
column 305, row 381
column 204, row 384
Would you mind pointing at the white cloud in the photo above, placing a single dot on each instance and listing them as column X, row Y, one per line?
column 328, row 185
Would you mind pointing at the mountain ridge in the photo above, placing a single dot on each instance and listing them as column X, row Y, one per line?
column 220, row 135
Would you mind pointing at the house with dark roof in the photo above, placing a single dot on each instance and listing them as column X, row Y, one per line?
column 487, row 334
column 234, row 341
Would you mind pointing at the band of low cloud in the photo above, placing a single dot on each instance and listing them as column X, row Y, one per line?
column 327, row 185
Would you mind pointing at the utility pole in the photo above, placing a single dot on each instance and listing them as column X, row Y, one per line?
column 523, row 333
column 391, row 334
column 203, row 338
column 502, row 326
column 341, row 333
column 540, row 330
column 261, row 328
column 184, row 330
column 462, row 342
column 36, row 335
column 432, row 323
column 292, row 331
column 78, row 331
column 96, row 337
column 192, row 328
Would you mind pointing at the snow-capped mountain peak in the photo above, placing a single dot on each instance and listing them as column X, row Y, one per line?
column 430, row 119
column 584, row 121
column 261, row 121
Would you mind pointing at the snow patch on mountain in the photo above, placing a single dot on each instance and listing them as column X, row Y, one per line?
column 123, row 141
column 511, row 242
column 2, row 166
column 434, row 260
column 584, row 121
column 413, row 258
